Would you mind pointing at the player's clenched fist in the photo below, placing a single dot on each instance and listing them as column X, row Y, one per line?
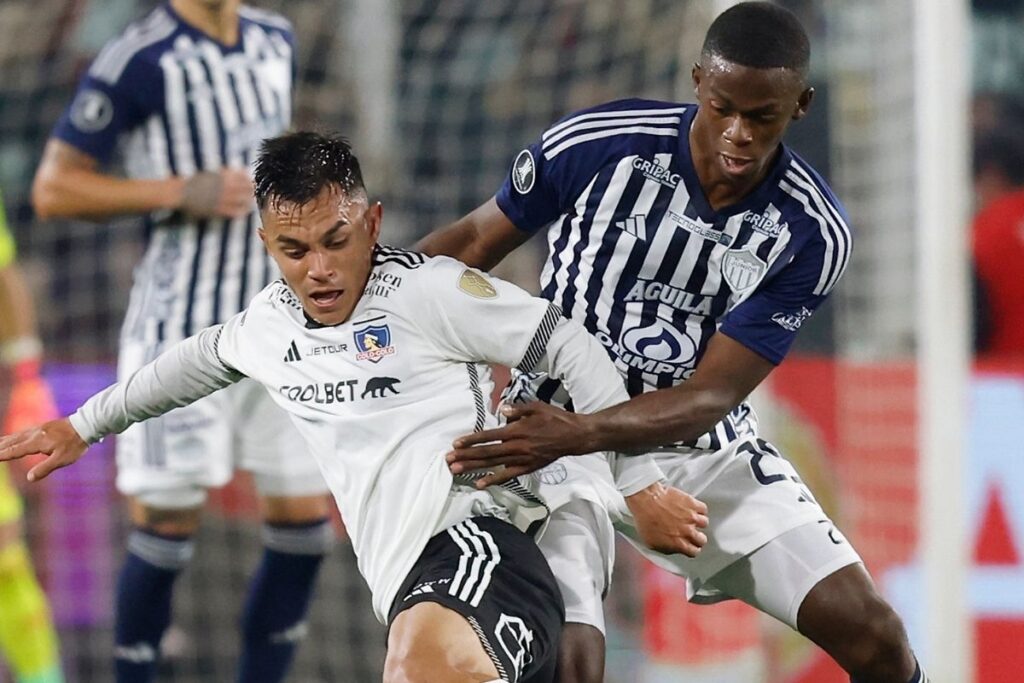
column 669, row 520
column 227, row 193
column 56, row 439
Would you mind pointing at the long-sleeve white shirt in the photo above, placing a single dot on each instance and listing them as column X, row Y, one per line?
column 380, row 397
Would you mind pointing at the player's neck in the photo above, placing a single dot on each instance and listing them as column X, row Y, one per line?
column 217, row 20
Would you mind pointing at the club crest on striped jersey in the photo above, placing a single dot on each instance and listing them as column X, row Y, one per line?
column 476, row 285
column 373, row 342
column 742, row 269
column 524, row 172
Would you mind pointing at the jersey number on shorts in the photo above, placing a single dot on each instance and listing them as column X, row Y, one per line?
column 760, row 450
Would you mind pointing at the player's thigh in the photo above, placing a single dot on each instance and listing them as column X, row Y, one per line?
column 270, row 447
column 496, row 578
column 579, row 546
column 777, row 577
column 430, row 642
column 188, row 449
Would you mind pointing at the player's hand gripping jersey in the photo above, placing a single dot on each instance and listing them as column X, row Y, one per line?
column 640, row 258
column 380, row 397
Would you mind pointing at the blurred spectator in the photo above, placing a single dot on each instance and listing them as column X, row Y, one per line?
column 998, row 242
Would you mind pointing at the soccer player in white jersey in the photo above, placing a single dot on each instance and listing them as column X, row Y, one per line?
column 187, row 93
column 692, row 243
column 380, row 357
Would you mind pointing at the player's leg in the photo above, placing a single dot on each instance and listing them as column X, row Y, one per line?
column 164, row 466
column 430, row 642
column 28, row 641
column 579, row 546
column 811, row 579
column 160, row 546
column 480, row 604
column 296, row 535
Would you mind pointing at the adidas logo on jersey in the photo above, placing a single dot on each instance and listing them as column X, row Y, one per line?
column 635, row 225
column 293, row 353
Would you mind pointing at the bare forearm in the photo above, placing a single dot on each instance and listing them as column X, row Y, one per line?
column 86, row 194
column 657, row 418
column 457, row 240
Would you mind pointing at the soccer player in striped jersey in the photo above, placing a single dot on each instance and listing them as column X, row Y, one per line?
column 693, row 244
column 187, row 94
column 28, row 640
column 381, row 358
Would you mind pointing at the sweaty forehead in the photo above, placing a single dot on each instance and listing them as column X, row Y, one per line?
column 322, row 213
column 750, row 84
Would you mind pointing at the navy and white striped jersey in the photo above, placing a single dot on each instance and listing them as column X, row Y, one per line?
column 174, row 102
column 637, row 254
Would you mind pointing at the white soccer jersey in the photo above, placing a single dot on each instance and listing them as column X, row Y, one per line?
column 380, row 398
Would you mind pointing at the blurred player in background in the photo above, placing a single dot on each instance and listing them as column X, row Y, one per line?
column 693, row 244
column 380, row 355
column 187, row 94
column 28, row 641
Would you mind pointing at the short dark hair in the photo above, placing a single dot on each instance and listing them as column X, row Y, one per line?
column 296, row 167
column 759, row 35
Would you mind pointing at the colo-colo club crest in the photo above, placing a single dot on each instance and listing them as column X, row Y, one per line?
column 373, row 343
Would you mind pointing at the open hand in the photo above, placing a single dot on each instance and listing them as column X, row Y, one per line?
column 56, row 439
column 669, row 520
column 536, row 435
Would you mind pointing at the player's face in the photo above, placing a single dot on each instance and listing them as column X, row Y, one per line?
column 324, row 249
column 743, row 114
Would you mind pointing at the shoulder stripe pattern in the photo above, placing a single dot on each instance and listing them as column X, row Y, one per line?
column 114, row 58
column 833, row 229
column 382, row 254
column 663, row 121
column 539, row 343
column 265, row 17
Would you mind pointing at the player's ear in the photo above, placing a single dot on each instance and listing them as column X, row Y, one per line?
column 695, row 74
column 374, row 213
column 263, row 236
column 803, row 103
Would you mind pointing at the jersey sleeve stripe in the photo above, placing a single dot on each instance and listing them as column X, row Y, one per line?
column 839, row 229
column 665, row 132
column 113, row 60
column 590, row 125
column 829, row 264
column 265, row 17
column 539, row 343
column 554, row 130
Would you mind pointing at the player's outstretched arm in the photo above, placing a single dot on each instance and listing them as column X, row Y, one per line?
column 56, row 439
column 537, row 433
column 69, row 184
column 481, row 238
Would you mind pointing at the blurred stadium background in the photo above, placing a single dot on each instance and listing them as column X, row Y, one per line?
column 438, row 95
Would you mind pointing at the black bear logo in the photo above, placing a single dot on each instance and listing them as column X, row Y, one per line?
column 378, row 385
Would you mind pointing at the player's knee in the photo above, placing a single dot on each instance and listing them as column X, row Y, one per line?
column 178, row 522
column 879, row 643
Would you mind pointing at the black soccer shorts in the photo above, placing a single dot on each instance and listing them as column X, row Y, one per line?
column 494, row 575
